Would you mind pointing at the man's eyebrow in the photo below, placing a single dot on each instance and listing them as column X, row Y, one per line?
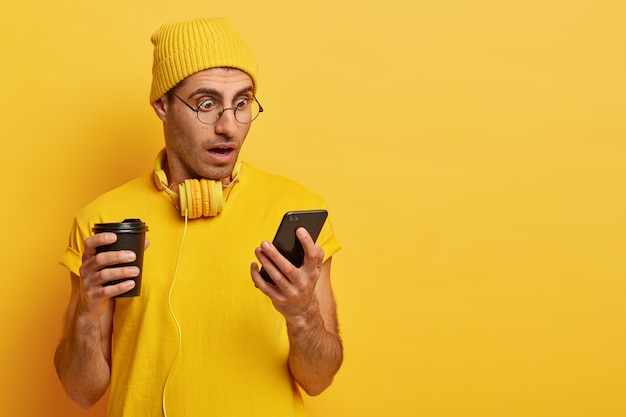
column 214, row 92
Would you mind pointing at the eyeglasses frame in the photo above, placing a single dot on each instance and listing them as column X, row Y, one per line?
column 234, row 109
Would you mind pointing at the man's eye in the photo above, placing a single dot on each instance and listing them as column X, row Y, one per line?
column 208, row 105
column 242, row 103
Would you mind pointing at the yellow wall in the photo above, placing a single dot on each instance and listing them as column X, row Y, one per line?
column 472, row 154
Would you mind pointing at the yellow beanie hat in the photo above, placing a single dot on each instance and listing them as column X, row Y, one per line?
column 182, row 49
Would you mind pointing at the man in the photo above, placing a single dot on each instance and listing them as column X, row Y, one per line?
column 208, row 336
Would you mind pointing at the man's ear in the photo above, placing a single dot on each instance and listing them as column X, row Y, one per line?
column 160, row 107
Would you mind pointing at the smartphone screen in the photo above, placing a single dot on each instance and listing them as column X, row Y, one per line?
column 286, row 240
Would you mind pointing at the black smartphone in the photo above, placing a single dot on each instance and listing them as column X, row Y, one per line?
column 286, row 240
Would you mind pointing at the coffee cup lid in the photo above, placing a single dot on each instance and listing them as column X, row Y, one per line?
column 127, row 226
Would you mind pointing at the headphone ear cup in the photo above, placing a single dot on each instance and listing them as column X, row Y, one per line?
column 182, row 197
column 216, row 198
column 201, row 198
column 190, row 198
column 196, row 198
column 186, row 196
column 211, row 200
column 205, row 197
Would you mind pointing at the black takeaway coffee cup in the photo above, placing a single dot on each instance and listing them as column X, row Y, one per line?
column 131, row 235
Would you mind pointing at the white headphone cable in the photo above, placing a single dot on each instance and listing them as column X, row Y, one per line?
column 169, row 304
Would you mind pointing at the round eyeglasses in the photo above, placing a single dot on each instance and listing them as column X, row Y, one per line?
column 209, row 110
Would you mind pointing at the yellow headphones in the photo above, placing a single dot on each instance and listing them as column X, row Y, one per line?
column 195, row 198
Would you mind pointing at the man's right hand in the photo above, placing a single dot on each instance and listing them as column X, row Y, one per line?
column 94, row 295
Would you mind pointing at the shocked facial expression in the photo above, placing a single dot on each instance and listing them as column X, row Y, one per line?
column 201, row 150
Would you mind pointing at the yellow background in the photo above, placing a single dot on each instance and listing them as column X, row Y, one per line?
column 472, row 156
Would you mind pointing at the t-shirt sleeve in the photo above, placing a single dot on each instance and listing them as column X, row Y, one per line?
column 72, row 258
column 328, row 241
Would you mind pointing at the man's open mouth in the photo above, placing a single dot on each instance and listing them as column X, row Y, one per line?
column 220, row 151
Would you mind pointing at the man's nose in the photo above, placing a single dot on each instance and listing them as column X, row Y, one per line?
column 227, row 123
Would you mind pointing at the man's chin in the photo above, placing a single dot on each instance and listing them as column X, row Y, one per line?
column 222, row 174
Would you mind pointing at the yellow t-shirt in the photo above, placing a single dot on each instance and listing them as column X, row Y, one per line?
column 230, row 356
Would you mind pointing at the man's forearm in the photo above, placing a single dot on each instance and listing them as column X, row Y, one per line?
column 315, row 353
column 80, row 362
